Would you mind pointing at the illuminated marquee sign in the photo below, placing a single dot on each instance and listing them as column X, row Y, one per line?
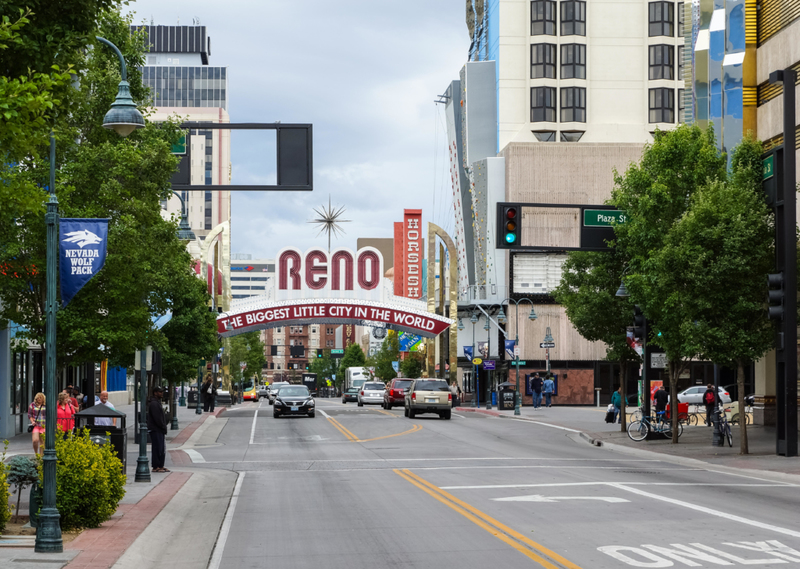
column 342, row 287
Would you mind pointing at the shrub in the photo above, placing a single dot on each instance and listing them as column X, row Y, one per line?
column 5, row 511
column 22, row 472
column 89, row 481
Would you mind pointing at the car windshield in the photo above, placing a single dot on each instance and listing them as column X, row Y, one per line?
column 431, row 386
column 374, row 386
column 402, row 384
column 293, row 391
column 353, row 390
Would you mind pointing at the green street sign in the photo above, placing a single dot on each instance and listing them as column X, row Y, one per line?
column 180, row 146
column 769, row 167
column 337, row 352
column 603, row 217
column 521, row 362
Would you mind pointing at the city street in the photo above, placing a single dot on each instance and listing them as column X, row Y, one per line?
column 364, row 487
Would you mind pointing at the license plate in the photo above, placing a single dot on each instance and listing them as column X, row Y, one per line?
column 431, row 400
column 294, row 408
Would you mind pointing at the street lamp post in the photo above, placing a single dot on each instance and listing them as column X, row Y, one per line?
column 501, row 317
column 124, row 118
column 488, row 328
column 475, row 383
column 198, row 410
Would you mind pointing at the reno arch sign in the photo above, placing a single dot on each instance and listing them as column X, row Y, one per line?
column 343, row 287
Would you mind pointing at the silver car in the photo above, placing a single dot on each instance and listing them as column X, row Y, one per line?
column 371, row 393
column 694, row 395
column 273, row 390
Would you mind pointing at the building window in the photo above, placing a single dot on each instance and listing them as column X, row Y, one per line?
column 545, row 135
column 573, row 104
column 681, row 19
column 661, row 61
column 571, row 135
column 662, row 19
column 543, row 61
column 313, row 330
column 573, row 61
column 680, row 63
column 543, row 104
column 543, row 18
column 662, row 105
column 681, row 106
column 278, row 330
column 573, row 18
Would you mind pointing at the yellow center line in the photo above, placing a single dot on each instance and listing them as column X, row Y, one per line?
column 453, row 502
column 385, row 413
column 414, row 429
column 342, row 429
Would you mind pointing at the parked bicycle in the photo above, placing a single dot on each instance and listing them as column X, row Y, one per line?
column 724, row 426
column 639, row 429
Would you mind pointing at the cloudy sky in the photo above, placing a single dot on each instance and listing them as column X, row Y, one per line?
column 365, row 73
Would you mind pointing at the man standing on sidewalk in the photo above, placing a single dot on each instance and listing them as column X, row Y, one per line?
column 105, row 421
column 548, row 388
column 536, row 389
column 157, row 427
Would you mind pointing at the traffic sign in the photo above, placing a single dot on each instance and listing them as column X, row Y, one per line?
column 769, row 167
column 516, row 351
column 337, row 352
column 488, row 365
column 603, row 217
column 547, row 344
column 477, row 361
column 520, row 362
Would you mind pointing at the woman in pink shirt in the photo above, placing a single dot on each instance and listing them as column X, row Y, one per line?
column 65, row 411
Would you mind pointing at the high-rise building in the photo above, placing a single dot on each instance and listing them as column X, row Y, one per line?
column 182, row 82
column 250, row 277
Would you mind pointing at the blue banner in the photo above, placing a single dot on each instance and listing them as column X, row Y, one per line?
column 409, row 342
column 468, row 352
column 82, row 253
column 510, row 349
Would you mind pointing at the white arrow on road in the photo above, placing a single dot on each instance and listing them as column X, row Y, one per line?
column 540, row 498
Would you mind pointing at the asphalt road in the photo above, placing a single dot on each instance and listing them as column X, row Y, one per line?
column 363, row 487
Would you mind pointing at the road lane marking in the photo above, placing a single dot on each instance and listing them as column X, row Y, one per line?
column 414, row 429
column 709, row 511
column 649, row 555
column 253, row 428
column 342, row 429
column 547, row 425
column 219, row 546
column 472, row 513
column 557, row 484
column 540, row 498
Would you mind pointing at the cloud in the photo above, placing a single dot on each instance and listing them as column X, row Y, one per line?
column 365, row 74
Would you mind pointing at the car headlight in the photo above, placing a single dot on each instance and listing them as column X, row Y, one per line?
column 278, row 401
column 310, row 402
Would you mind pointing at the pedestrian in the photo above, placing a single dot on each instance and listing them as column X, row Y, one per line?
column 157, row 427
column 548, row 388
column 209, row 390
column 661, row 399
column 710, row 399
column 65, row 413
column 105, row 421
column 36, row 416
column 455, row 390
column 536, row 389
column 616, row 401
column 76, row 396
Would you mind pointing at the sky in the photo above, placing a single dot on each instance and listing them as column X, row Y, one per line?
column 365, row 73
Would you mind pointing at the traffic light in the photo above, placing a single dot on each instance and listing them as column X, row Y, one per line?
column 320, row 353
column 509, row 222
column 273, row 350
column 297, row 351
column 639, row 324
column 776, row 294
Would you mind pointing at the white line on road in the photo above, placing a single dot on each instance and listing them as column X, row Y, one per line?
column 324, row 414
column 709, row 511
column 219, row 547
column 253, row 428
column 558, row 484
column 547, row 425
column 540, row 498
column 194, row 455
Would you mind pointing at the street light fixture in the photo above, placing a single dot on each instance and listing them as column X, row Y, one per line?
column 622, row 291
column 475, row 400
column 48, row 536
column 185, row 232
column 501, row 317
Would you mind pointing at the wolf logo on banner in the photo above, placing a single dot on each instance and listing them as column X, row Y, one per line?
column 82, row 253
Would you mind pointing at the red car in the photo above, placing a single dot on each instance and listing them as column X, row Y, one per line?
column 395, row 393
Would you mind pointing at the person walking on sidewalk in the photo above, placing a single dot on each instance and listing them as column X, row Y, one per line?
column 548, row 388
column 536, row 390
column 710, row 400
column 157, row 427
column 661, row 399
column 616, row 401
column 209, row 390
column 455, row 391
column 36, row 416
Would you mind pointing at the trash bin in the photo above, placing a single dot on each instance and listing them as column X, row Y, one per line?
column 117, row 435
column 191, row 399
column 507, row 396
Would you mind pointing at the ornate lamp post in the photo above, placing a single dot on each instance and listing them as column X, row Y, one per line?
column 501, row 317
column 476, row 402
column 124, row 118
column 488, row 328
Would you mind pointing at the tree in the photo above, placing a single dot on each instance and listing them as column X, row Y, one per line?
column 412, row 365
column 587, row 291
column 655, row 194
column 383, row 358
column 353, row 357
column 723, row 247
column 246, row 349
column 324, row 367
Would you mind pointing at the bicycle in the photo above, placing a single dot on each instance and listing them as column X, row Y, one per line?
column 639, row 429
column 724, row 426
column 635, row 415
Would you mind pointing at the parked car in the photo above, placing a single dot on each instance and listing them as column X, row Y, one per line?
column 263, row 391
column 428, row 396
column 273, row 390
column 350, row 395
column 694, row 395
column 293, row 400
column 733, row 389
column 395, row 392
column 371, row 393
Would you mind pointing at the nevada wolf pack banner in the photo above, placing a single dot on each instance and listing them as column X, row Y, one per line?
column 82, row 253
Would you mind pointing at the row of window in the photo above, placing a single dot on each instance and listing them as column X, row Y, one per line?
column 573, row 104
column 543, row 61
column 661, row 18
column 661, row 60
column 661, row 106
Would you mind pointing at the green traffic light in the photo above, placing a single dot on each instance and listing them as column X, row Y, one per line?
column 510, row 237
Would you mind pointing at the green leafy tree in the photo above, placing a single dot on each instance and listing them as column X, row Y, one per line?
column 383, row 358
column 412, row 365
column 656, row 193
column 246, row 349
column 353, row 357
column 324, row 367
column 722, row 248
column 589, row 282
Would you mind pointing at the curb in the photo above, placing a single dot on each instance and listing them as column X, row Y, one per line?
column 188, row 430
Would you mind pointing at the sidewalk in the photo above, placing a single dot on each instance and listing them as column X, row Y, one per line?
column 139, row 511
column 695, row 443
